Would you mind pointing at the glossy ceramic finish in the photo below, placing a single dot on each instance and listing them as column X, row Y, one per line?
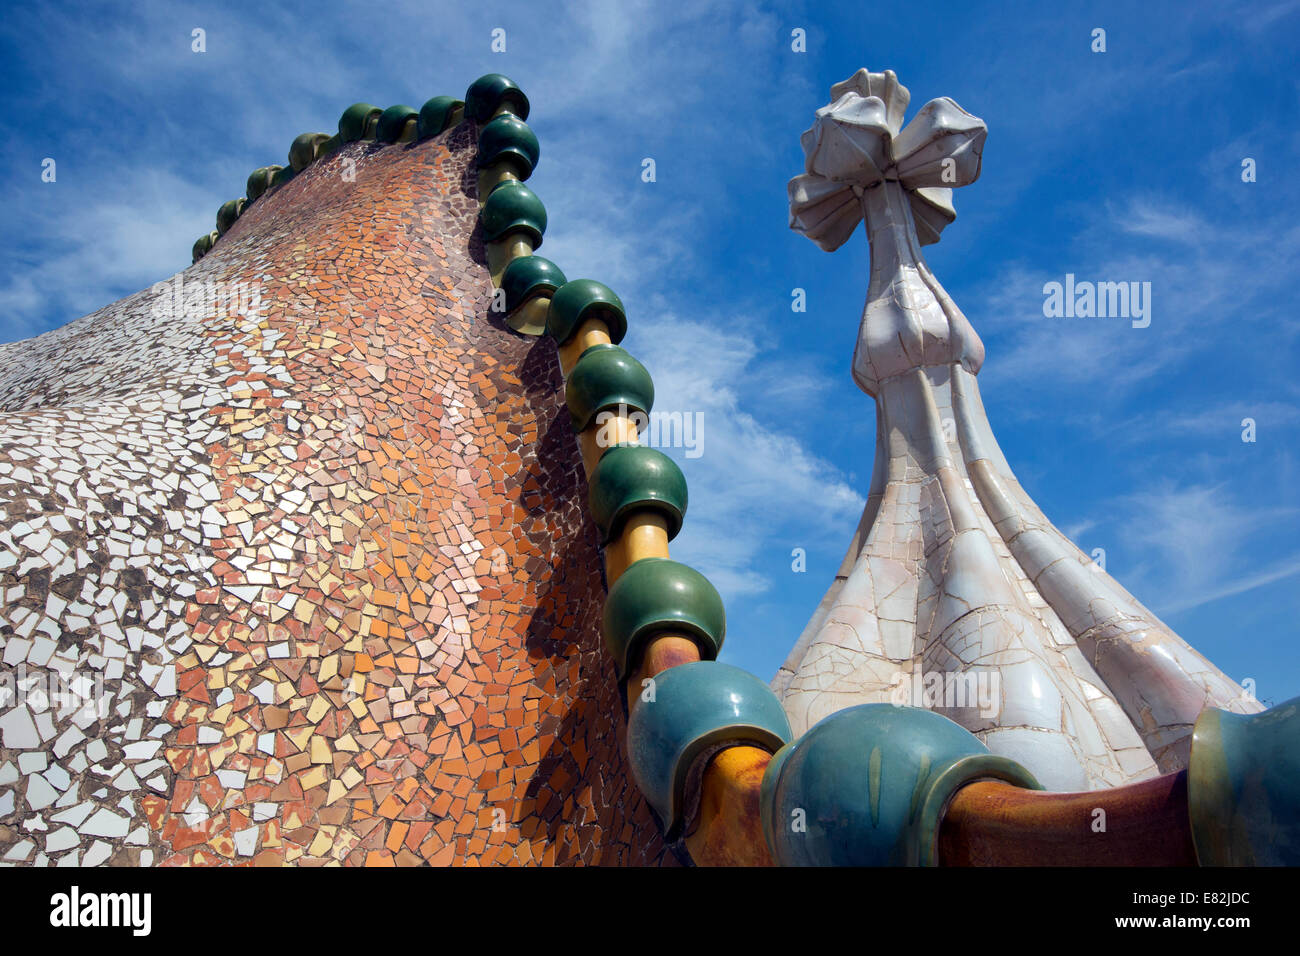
column 529, row 276
column 697, row 709
column 991, row 823
column 655, row 596
column 259, row 181
column 729, row 831
column 508, row 139
column 513, row 207
column 227, row 214
column 489, row 92
column 358, row 122
column 953, row 572
column 629, row 478
column 202, row 245
column 580, row 299
column 867, row 787
column 436, row 115
column 607, row 377
column 306, row 149
column 326, row 545
column 1244, row 787
column 393, row 121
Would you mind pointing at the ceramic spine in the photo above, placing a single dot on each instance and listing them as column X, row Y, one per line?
column 360, row 121
column 664, row 614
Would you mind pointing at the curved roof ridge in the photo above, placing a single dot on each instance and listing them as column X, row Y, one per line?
column 362, row 122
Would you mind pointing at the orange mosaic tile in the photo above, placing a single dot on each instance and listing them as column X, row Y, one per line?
column 388, row 651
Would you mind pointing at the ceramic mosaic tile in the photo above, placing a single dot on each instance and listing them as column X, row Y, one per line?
column 314, row 522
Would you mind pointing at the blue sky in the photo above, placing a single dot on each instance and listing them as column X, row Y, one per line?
column 1123, row 165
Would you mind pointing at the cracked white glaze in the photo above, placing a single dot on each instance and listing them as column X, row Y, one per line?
column 953, row 570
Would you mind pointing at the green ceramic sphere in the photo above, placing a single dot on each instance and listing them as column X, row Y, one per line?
column 436, row 113
column 508, row 138
column 631, row 478
column 605, row 377
column 358, row 122
column 488, row 92
column 657, row 595
column 580, row 299
column 1243, row 787
column 202, row 246
column 513, row 207
column 282, row 176
column 696, row 708
column 305, row 149
column 227, row 214
column 392, row 122
column 529, row 276
column 867, row 786
column 259, row 181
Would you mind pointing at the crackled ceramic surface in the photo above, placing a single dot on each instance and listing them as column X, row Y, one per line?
column 953, row 569
column 313, row 522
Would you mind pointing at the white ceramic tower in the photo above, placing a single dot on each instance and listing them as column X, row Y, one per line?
column 956, row 592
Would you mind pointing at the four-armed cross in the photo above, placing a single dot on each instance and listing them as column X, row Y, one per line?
column 860, row 163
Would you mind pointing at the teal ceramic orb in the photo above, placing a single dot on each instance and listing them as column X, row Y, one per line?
column 202, row 246
column 358, row 122
column 508, row 138
column 436, row 113
column 227, row 214
column 867, row 786
column 1243, row 787
column 259, row 181
column 392, row 122
column 303, row 151
column 694, row 710
column 529, row 276
column 513, row 207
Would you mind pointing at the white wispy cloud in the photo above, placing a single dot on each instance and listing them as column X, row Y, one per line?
column 1144, row 217
column 1274, row 573
column 758, row 479
column 1192, row 538
column 757, row 482
column 1226, row 419
column 122, row 239
column 1197, row 291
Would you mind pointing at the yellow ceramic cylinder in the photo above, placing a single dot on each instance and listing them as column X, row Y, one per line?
column 728, row 829
column 489, row 176
column 596, row 438
column 530, row 318
column 501, row 253
column 661, row 652
column 591, row 332
column 644, row 535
